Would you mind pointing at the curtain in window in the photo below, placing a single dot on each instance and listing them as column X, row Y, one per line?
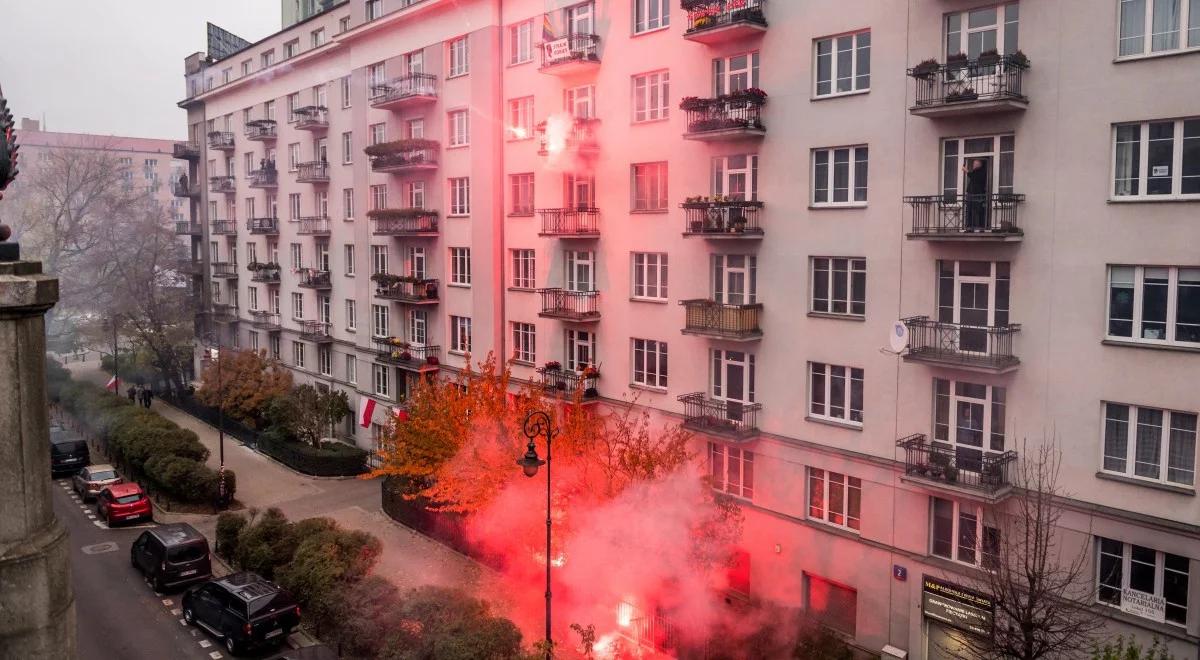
column 1165, row 25
column 1116, row 437
column 1148, row 442
column 1181, row 453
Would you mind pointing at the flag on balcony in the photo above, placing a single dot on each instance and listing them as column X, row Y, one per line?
column 366, row 408
column 547, row 28
column 113, row 385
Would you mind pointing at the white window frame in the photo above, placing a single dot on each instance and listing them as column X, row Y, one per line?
column 724, row 174
column 520, row 39
column 298, row 354
column 648, row 187
column 821, row 505
column 378, row 133
column 379, row 196
column 579, row 347
column 520, row 118
column 347, row 99
column 734, row 278
column 347, row 204
column 651, row 96
column 374, row 9
column 459, row 57
column 351, row 315
column 723, row 460
column 648, row 363
column 380, row 321
column 416, row 194
column 1136, row 284
column 651, row 15
column 858, row 53
column 347, row 147
column 324, row 361
column 458, row 123
column 460, row 196
column 719, row 362
column 418, row 327
column 382, row 381
column 849, row 381
column 520, row 188
column 1160, row 570
column 1165, row 442
column 580, row 101
column 830, row 177
column 992, row 428
column 1185, row 43
column 379, row 259
column 1001, row 27
column 853, row 278
column 415, row 262
column 460, row 266
column 649, row 275
column 297, row 306
column 460, row 334
column 727, row 80
column 524, row 274
column 1178, row 142
column 958, row 535
column 348, row 259
column 524, row 343
column 351, row 369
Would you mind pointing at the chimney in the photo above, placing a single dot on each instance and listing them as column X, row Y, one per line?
column 28, row 124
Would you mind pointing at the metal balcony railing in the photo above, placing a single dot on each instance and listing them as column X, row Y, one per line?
column 408, row 289
column 265, row 178
column 265, row 320
column 398, row 157
column 182, row 188
column 316, row 171
column 394, row 350
column 570, row 222
column 311, row 278
column 220, row 140
column 317, row 225
column 412, row 87
column 961, row 215
column 579, row 138
column 724, row 219
column 735, row 419
column 225, row 313
column 961, row 466
column 263, row 226
column 984, row 347
column 705, row 15
column 222, row 184
column 315, row 331
column 186, row 150
column 185, row 228
column 404, row 222
column 311, row 117
column 989, row 78
column 223, row 227
column 261, row 129
column 714, row 319
column 732, row 114
column 225, row 269
column 263, row 272
column 573, row 48
column 568, row 384
column 570, row 305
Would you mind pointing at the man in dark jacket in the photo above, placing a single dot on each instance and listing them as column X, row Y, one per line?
column 976, row 196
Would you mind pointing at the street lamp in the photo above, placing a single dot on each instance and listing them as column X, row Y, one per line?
column 210, row 338
column 538, row 423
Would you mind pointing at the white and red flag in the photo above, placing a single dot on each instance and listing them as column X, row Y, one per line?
column 114, row 385
column 366, row 408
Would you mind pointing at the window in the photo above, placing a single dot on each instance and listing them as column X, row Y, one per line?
column 293, row 102
column 1154, row 304
column 293, row 156
column 651, row 93
column 735, row 73
column 522, row 269
column 414, row 262
column 347, row 148
column 378, row 133
column 836, row 393
column 246, row 64
column 579, row 270
column 731, row 376
column 522, row 193
column 1164, row 20
column 839, row 286
column 650, row 363
column 298, row 354
column 460, row 334
column 379, row 197
column 978, row 30
column 267, row 59
column 348, row 259
column 344, row 84
column 318, row 37
column 840, row 176
column 294, row 206
column 351, row 369
column 379, row 321
column 414, row 62
column 291, row 48
column 379, row 259
column 460, row 266
column 458, row 57
column 524, row 342
column 382, row 386
column 735, row 176
column 254, row 345
column 520, row 42
column 298, row 306
column 843, row 64
column 416, row 128
column 324, row 313
column 520, row 118
column 968, row 418
column 734, row 279
column 959, row 532
column 649, row 187
column 460, row 196
column 1157, row 159
column 1125, row 566
column 834, row 498
column 416, row 194
column 273, row 343
column 460, row 132
column 374, row 9
column 732, row 470
column 649, row 275
column 324, row 360
column 650, row 15
column 351, row 314
column 580, row 349
column 418, row 323
column 347, row 203
column 580, row 101
column 1139, row 441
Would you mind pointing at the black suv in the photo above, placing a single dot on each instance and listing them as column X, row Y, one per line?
column 171, row 556
column 68, row 452
column 243, row 610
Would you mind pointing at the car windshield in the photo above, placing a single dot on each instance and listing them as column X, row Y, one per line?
column 103, row 475
column 68, row 447
column 129, row 499
column 186, row 553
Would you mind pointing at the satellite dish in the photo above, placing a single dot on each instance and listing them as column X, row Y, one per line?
column 898, row 337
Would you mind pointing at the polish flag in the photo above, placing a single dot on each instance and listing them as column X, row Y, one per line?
column 400, row 414
column 366, row 408
column 113, row 385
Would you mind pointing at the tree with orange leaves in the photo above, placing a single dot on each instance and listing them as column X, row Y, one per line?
column 243, row 384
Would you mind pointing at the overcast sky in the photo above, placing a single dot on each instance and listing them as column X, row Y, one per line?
column 113, row 67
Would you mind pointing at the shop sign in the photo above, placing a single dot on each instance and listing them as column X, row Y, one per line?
column 957, row 606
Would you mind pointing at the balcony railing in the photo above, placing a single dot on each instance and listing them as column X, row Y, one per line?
column 406, row 90
column 182, row 188
column 222, row 184
column 264, row 178
column 394, row 350
column 727, row 117
column 962, row 466
column 723, row 219
column 222, row 140
column 189, row 267
column 405, row 289
column 263, row 226
column 734, row 419
column 311, row 118
column 714, row 21
column 261, row 130
column 185, row 228
column 988, row 348
column 989, row 83
column 713, row 319
column 954, row 216
column 311, row 278
column 225, row 269
column 570, row 53
column 223, row 227
column 313, row 226
column 404, row 222
column 316, row 171
column 265, row 320
column 315, row 331
column 186, row 150
column 583, row 222
column 579, row 138
column 263, row 272
column 568, row 384
column 225, row 313
column 570, row 305
column 403, row 155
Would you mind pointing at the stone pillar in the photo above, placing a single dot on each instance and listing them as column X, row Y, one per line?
column 37, row 606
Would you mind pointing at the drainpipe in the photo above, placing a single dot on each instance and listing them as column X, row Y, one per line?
column 498, row 196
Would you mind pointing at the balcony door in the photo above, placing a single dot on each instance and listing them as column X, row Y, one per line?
column 973, row 295
column 968, row 418
column 735, row 73
column 581, row 19
column 734, row 279
column 414, row 62
column 323, row 256
column 580, row 349
column 978, row 30
column 581, row 270
column 418, row 326
column 735, row 177
column 321, row 150
column 580, row 101
column 732, row 381
column 997, row 153
column 579, row 192
column 414, row 262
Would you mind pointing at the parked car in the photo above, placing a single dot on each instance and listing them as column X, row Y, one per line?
column 68, row 452
column 243, row 610
column 171, row 556
column 89, row 481
column 122, row 503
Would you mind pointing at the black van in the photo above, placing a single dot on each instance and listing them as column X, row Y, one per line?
column 68, row 452
column 243, row 610
column 171, row 556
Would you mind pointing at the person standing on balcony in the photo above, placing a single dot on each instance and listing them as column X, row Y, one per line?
column 976, row 195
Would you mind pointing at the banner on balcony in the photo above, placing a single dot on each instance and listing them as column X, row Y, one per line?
column 559, row 49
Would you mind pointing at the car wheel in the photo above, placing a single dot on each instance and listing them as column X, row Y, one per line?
column 158, row 585
column 232, row 646
column 189, row 616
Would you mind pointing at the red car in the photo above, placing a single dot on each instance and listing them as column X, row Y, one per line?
column 123, row 502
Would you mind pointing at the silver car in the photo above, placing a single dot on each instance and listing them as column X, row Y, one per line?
column 92, row 479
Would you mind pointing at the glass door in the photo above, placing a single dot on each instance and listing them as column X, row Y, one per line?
column 973, row 295
column 581, row 19
column 734, row 279
column 580, row 270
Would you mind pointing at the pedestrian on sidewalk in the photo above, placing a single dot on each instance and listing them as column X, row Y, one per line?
column 148, row 396
column 132, row 393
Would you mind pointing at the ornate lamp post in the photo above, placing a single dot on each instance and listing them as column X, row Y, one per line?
column 538, row 423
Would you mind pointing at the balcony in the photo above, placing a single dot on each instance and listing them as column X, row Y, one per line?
column 263, row 272
column 224, row 313
column 570, row 385
column 182, row 188
column 961, row 470
column 724, row 219
column 315, row 331
column 185, row 150
column 582, row 306
column 261, row 130
column 570, row 223
column 557, row 136
column 971, row 347
column 404, row 92
column 736, row 116
column 185, row 228
column 404, row 222
column 311, row 118
column 571, row 54
column 227, row 270
column 733, row 419
column 311, row 278
column 706, row 318
column 222, row 184
column 396, row 351
column 264, row 320
column 221, row 140
column 313, row 226
column 223, row 228
column 263, row 226
column 189, row 267
column 264, row 178
column 398, row 156
column 315, row 171
column 962, row 217
column 960, row 87
column 717, row 21
column 405, row 289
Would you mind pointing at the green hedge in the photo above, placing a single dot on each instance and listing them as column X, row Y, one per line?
column 333, row 459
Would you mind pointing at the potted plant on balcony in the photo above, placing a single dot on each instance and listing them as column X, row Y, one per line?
column 939, row 464
column 552, row 366
column 692, row 103
column 962, row 94
column 925, row 69
column 956, row 60
column 737, row 224
column 431, row 290
column 989, row 57
column 405, row 356
column 1017, row 59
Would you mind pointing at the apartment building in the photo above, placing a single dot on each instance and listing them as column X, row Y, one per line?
column 873, row 256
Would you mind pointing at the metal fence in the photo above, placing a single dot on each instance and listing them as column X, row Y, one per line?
column 962, row 213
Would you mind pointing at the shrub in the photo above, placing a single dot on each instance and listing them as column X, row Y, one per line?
column 229, row 526
column 449, row 624
column 1129, row 649
column 265, row 544
column 324, row 560
column 358, row 618
column 57, row 377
